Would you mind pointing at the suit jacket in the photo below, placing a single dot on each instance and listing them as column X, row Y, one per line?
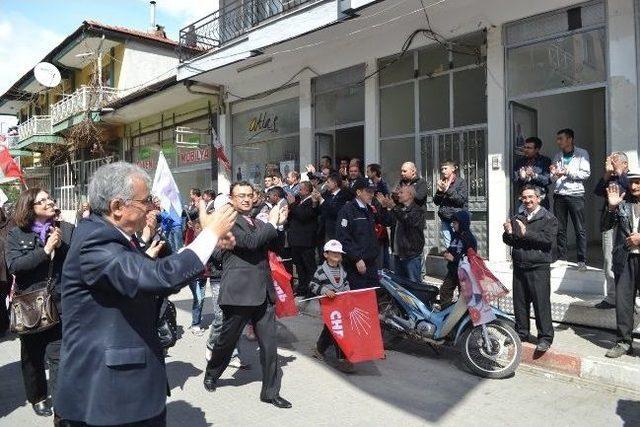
column 303, row 224
column 246, row 276
column 111, row 364
column 622, row 220
column 329, row 211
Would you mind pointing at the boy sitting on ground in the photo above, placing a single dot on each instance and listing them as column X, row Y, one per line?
column 329, row 279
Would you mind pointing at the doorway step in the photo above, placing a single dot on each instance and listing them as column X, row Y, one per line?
column 574, row 293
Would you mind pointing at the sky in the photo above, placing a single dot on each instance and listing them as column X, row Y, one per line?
column 29, row 29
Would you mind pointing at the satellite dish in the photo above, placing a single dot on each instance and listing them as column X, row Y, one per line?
column 47, row 74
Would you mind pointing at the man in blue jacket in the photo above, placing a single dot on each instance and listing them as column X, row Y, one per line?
column 355, row 229
column 112, row 368
column 533, row 169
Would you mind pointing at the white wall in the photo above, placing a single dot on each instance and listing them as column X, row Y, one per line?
column 143, row 65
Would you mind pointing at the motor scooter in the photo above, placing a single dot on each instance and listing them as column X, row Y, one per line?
column 492, row 350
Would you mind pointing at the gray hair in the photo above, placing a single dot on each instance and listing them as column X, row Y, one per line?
column 620, row 155
column 114, row 181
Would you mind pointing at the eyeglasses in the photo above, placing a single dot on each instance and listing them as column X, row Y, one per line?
column 45, row 201
column 146, row 201
column 243, row 196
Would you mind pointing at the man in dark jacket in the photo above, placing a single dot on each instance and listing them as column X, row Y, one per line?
column 408, row 238
column 533, row 169
column 355, row 229
column 333, row 199
column 303, row 226
column 112, row 368
column 247, row 294
column 532, row 234
column 615, row 171
column 450, row 197
column 409, row 176
column 623, row 216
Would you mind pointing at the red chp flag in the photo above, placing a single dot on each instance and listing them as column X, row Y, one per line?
column 285, row 302
column 352, row 318
column 220, row 154
column 8, row 166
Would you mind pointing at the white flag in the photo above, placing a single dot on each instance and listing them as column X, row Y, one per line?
column 3, row 198
column 165, row 188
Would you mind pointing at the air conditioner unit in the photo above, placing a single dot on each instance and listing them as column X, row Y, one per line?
column 189, row 137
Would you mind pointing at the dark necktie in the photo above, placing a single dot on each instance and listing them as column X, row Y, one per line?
column 134, row 243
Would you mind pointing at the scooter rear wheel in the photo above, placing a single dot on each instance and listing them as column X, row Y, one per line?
column 500, row 359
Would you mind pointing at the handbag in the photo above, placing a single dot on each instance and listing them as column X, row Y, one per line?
column 167, row 327
column 35, row 311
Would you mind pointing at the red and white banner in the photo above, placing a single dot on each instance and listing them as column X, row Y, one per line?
column 285, row 300
column 220, row 154
column 352, row 318
column 8, row 166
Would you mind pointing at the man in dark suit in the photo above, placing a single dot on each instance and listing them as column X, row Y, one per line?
column 303, row 226
column 332, row 201
column 112, row 368
column 623, row 216
column 247, row 293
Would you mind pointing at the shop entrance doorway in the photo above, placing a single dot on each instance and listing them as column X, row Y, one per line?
column 339, row 143
column 584, row 111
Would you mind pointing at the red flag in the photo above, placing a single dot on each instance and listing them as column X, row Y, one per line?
column 8, row 166
column 220, row 154
column 352, row 318
column 285, row 300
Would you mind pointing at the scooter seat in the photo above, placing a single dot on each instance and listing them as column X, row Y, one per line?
column 425, row 292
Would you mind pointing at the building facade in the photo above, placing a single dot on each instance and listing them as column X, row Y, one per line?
column 393, row 81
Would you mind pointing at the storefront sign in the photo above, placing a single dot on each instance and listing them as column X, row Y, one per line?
column 265, row 122
column 146, row 164
column 194, row 156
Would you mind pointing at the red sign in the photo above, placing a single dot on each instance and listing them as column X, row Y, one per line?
column 146, row 164
column 352, row 318
column 197, row 155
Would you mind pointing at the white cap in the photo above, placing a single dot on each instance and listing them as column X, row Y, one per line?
column 333, row 246
column 220, row 201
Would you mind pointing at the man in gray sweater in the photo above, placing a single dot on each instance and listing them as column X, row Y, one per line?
column 569, row 169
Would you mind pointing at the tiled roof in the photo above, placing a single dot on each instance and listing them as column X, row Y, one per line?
column 129, row 31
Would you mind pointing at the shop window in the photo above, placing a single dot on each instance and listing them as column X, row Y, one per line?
column 469, row 97
column 396, row 69
column 433, row 60
column 397, row 110
column 393, row 153
column 572, row 60
column 250, row 160
column 434, row 103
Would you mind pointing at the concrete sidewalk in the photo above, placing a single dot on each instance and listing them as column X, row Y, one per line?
column 576, row 351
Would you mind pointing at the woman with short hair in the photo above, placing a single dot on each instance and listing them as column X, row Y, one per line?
column 35, row 242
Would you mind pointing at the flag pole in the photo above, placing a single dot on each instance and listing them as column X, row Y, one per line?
column 338, row 293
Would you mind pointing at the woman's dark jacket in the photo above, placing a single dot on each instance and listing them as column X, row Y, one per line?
column 27, row 260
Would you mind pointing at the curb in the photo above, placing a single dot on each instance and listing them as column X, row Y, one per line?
column 602, row 371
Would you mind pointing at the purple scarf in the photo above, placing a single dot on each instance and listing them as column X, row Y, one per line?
column 41, row 229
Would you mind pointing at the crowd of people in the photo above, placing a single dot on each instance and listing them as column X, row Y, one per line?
column 333, row 226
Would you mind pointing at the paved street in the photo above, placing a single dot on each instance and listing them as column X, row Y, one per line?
column 411, row 387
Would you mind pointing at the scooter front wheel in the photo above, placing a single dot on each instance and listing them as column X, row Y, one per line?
column 493, row 352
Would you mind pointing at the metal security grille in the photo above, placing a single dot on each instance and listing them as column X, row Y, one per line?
column 65, row 177
column 467, row 148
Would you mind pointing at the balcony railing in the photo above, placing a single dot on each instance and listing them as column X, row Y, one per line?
column 36, row 125
column 232, row 20
column 83, row 99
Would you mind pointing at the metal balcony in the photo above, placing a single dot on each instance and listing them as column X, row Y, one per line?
column 231, row 21
column 84, row 99
column 36, row 125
